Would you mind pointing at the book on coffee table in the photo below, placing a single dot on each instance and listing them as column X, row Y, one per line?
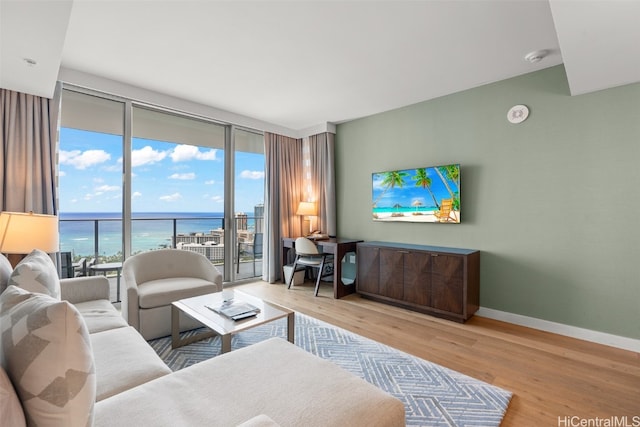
column 235, row 310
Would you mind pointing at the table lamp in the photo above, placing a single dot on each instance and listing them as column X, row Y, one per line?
column 307, row 210
column 21, row 232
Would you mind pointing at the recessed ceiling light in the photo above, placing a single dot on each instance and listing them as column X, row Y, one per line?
column 535, row 56
column 30, row 62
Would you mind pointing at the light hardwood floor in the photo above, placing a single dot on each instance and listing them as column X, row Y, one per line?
column 552, row 377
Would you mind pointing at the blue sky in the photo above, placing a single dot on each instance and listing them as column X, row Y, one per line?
column 167, row 177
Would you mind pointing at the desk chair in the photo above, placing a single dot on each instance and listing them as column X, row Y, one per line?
column 307, row 254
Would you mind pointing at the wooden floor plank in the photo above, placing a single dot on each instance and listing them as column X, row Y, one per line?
column 550, row 375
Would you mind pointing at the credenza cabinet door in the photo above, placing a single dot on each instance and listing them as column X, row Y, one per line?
column 391, row 273
column 368, row 270
column 440, row 281
column 417, row 278
column 447, row 287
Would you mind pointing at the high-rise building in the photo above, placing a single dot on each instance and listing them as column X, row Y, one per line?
column 213, row 252
column 215, row 236
column 241, row 221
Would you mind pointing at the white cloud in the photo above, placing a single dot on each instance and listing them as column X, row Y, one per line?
column 183, row 153
column 83, row 159
column 136, row 194
column 218, row 199
column 146, row 156
column 183, row 176
column 103, row 188
column 207, row 155
column 209, row 182
column 171, row 198
column 114, row 168
column 251, row 174
column 62, row 173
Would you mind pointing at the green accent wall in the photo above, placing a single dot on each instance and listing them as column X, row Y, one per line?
column 553, row 203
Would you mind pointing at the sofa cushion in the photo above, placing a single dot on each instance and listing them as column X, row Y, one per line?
column 47, row 355
column 86, row 288
column 10, row 408
column 37, row 273
column 161, row 292
column 124, row 360
column 100, row 315
column 273, row 377
column 5, row 272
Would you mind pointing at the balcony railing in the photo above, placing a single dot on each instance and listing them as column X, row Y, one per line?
column 101, row 238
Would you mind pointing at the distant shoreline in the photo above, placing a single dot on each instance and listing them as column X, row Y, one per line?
column 150, row 230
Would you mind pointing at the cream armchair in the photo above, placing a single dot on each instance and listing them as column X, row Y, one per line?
column 155, row 279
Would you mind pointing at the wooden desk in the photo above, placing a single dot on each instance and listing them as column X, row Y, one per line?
column 336, row 246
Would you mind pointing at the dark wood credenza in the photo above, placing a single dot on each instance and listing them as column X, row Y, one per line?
column 444, row 282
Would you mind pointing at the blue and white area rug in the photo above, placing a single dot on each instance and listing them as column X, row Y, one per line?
column 433, row 395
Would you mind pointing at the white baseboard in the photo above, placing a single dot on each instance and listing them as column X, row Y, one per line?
column 561, row 329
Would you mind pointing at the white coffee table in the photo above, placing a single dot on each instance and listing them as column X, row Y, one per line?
column 195, row 307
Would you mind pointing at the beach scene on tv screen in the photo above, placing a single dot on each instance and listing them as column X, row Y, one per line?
column 429, row 194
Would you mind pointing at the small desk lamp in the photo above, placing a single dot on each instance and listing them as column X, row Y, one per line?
column 21, row 232
column 307, row 209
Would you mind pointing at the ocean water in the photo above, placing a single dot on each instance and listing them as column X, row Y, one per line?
column 149, row 230
column 423, row 209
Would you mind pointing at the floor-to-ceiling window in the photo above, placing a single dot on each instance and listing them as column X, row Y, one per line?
column 163, row 180
column 90, row 178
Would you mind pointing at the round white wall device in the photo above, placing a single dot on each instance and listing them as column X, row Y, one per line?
column 518, row 114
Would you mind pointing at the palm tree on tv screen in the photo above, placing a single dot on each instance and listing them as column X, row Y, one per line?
column 422, row 180
column 391, row 180
column 450, row 174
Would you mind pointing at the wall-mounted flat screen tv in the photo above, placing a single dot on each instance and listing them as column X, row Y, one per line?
column 429, row 194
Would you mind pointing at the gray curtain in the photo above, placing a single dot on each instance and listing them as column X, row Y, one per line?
column 321, row 153
column 283, row 193
column 27, row 154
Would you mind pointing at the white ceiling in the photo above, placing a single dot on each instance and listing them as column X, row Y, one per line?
column 297, row 64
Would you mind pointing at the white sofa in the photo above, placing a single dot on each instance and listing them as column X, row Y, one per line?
column 154, row 279
column 117, row 379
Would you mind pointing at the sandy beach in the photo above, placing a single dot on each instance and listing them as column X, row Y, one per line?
column 410, row 217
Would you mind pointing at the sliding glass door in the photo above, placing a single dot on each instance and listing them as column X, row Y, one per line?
column 166, row 180
column 177, row 184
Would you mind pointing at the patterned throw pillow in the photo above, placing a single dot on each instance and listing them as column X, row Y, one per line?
column 47, row 354
column 37, row 273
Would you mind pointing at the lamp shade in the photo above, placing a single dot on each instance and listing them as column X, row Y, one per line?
column 20, row 233
column 306, row 209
